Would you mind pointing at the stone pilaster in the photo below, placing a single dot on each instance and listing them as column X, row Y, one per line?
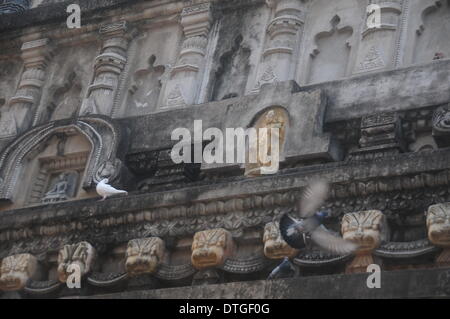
column 283, row 35
column 109, row 65
column 186, row 77
column 379, row 45
column 24, row 103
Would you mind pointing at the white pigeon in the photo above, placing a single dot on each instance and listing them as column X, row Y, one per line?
column 105, row 190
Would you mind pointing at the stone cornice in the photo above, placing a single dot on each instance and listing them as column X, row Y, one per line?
column 406, row 172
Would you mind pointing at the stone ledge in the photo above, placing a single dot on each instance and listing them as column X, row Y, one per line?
column 432, row 283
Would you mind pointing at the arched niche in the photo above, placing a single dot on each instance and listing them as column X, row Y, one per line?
column 431, row 37
column 271, row 118
column 331, row 53
column 84, row 150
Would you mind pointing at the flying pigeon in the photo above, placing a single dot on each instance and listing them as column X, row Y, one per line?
column 284, row 270
column 309, row 229
column 105, row 190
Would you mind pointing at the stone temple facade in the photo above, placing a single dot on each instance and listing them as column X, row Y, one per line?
column 365, row 108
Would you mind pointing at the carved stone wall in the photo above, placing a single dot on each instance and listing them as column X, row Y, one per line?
column 365, row 108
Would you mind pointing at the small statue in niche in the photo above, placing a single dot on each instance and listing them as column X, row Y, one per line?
column 62, row 189
column 267, row 155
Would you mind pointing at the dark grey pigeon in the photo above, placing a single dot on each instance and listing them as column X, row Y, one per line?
column 310, row 229
column 285, row 270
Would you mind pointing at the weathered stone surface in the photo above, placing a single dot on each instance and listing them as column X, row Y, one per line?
column 397, row 284
column 362, row 106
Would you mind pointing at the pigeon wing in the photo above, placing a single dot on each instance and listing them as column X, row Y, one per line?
column 332, row 244
column 290, row 235
column 312, row 198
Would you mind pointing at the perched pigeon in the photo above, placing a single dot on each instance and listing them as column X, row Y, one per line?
column 105, row 190
column 309, row 229
column 284, row 270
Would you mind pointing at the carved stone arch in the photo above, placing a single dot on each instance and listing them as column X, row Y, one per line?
column 428, row 10
column 103, row 135
column 434, row 26
column 336, row 31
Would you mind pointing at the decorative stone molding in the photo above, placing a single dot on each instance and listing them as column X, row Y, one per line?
column 109, row 65
column 274, row 246
column 368, row 230
column 143, row 256
column 380, row 132
column 16, row 271
column 404, row 250
column 24, row 104
column 186, row 76
column 211, row 248
column 438, row 223
column 81, row 254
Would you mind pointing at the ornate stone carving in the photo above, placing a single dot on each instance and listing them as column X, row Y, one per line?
column 441, row 126
column 373, row 60
column 144, row 255
column 185, row 79
column 438, row 223
column 284, row 32
column 110, row 170
column 63, row 189
column 109, row 66
column 81, row 254
column 370, row 56
column 267, row 155
column 35, row 55
column 368, row 230
column 102, row 134
column 381, row 132
column 211, row 248
column 274, row 246
column 16, row 271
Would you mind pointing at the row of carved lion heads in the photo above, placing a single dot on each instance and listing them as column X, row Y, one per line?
column 211, row 248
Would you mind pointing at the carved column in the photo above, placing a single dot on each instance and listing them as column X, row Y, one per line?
column 368, row 230
column 186, row 77
column 24, row 103
column 438, row 223
column 108, row 68
column 379, row 47
column 283, row 36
